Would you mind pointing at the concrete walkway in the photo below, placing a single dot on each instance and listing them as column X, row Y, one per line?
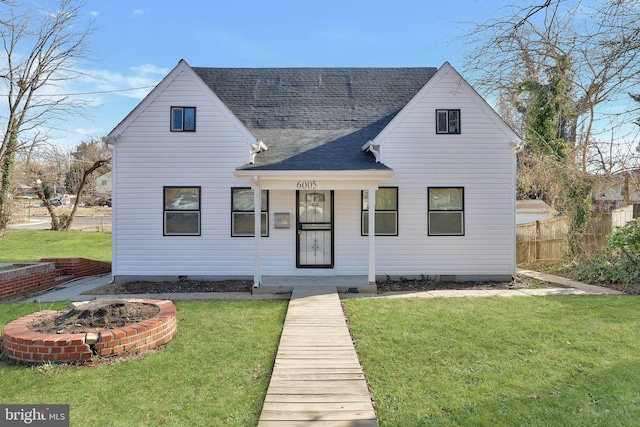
column 80, row 290
column 317, row 379
column 582, row 288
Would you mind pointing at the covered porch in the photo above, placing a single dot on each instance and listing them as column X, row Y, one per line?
column 311, row 183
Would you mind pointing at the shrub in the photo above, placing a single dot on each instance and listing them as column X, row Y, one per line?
column 619, row 263
column 624, row 243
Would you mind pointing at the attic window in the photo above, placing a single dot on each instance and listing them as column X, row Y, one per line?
column 448, row 121
column 183, row 119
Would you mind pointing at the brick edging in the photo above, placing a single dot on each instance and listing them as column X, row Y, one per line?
column 24, row 345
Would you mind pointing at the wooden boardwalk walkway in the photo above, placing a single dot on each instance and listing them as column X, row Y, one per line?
column 317, row 379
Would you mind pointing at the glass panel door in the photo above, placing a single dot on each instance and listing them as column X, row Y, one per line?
column 315, row 229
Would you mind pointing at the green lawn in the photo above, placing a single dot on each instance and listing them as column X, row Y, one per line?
column 214, row 372
column 561, row 361
column 19, row 246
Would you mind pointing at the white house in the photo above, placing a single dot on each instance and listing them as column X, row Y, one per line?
column 103, row 185
column 281, row 172
column 533, row 210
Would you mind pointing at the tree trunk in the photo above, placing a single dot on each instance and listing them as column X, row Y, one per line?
column 85, row 175
column 5, row 183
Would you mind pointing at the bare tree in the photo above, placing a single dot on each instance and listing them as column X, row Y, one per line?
column 40, row 47
column 48, row 167
column 603, row 43
column 517, row 58
column 85, row 154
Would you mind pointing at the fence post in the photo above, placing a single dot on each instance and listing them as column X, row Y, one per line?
column 537, row 242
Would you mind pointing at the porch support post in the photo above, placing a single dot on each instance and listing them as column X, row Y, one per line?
column 372, row 236
column 257, row 210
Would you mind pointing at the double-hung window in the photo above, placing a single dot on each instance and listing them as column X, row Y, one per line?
column 182, row 211
column 243, row 214
column 446, row 211
column 183, row 119
column 448, row 121
column 386, row 212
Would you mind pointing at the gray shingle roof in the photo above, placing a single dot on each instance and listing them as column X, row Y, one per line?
column 315, row 118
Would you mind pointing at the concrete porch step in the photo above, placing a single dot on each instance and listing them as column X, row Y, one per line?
column 285, row 284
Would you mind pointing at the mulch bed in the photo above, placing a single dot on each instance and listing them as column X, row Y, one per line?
column 189, row 286
column 181, row 286
column 426, row 285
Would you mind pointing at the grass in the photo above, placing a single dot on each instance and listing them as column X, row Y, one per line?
column 214, row 372
column 20, row 246
column 501, row 361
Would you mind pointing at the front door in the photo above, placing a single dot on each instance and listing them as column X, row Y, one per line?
column 314, row 221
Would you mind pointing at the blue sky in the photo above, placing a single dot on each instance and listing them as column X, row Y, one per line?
column 138, row 42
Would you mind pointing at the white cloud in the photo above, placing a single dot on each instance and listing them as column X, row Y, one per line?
column 138, row 12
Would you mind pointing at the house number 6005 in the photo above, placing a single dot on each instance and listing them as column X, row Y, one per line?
column 306, row 185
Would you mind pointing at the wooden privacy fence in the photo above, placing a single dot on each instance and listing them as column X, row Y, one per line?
column 546, row 241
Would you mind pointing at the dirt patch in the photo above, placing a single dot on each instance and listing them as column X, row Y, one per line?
column 186, row 286
column 94, row 316
column 427, row 285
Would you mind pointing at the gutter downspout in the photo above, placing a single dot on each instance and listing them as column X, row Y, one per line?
column 369, row 146
column 256, row 148
column 112, row 141
column 257, row 211
column 514, row 168
column 372, row 236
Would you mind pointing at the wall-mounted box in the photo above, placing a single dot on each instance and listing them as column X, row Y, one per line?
column 282, row 220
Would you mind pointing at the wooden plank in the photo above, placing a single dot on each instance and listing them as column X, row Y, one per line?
column 336, row 376
column 321, row 415
column 319, row 423
column 317, row 406
column 326, row 363
column 315, row 398
column 316, row 353
column 299, row 370
column 351, row 387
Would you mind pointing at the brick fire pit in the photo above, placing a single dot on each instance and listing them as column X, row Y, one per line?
column 25, row 345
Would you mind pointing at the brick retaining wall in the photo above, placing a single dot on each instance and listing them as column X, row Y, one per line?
column 32, row 277
column 27, row 346
column 27, row 278
column 79, row 267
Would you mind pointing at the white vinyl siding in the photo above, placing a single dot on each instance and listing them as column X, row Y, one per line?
column 148, row 157
column 480, row 159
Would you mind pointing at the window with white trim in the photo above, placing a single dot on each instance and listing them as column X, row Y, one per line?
column 183, row 119
column 386, row 212
column 446, row 211
column 181, row 211
column 243, row 214
column 448, row 121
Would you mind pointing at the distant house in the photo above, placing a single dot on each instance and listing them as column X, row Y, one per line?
column 533, row 210
column 270, row 172
column 621, row 189
column 103, row 185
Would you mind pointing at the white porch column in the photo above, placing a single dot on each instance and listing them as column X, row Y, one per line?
column 257, row 210
column 372, row 236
